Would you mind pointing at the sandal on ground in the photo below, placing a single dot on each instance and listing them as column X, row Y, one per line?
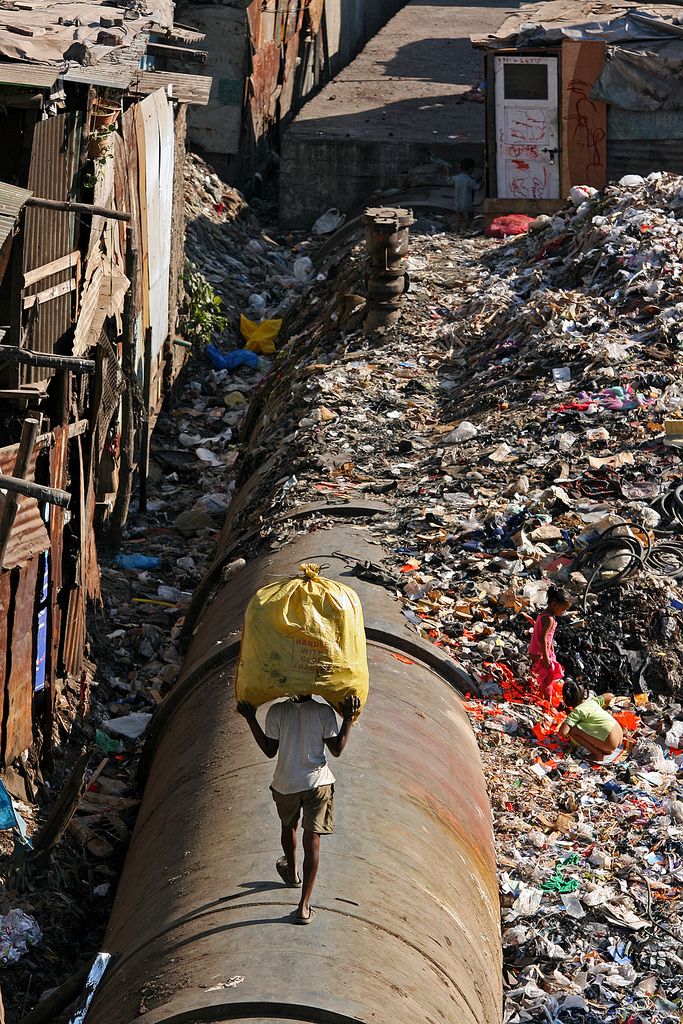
column 305, row 920
column 281, row 868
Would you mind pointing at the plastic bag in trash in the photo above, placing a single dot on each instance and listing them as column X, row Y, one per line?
column 303, row 636
column 580, row 193
column 631, row 180
column 130, row 726
column 510, row 224
column 303, row 268
column 231, row 360
column 10, row 817
column 18, row 931
column 465, row 431
column 260, row 337
column 329, row 222
column 136, row 561
column 258, row 303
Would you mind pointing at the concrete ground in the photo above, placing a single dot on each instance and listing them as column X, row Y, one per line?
column 406, row 83
column 393, row 108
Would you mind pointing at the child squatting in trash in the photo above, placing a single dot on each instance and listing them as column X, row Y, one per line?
column 589, row 724
column 545, row 668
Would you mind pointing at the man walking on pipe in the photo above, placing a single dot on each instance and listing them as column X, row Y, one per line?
column 298, row 730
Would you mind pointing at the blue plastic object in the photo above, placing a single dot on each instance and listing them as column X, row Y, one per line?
column 137, row 561
column 10, row 817
column 231, row 360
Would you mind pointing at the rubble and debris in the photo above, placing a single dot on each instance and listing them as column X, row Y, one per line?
column 513, row 422
column 18, row 931
column 134, row 636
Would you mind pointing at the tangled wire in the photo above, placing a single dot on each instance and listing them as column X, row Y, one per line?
column 621, row 551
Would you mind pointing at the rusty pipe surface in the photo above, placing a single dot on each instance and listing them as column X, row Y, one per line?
column 407, row 923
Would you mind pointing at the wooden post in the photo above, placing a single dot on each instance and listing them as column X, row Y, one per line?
column 68, row 207
column 63, row 810
column 119, row 513
column 12, row 354
column 29, row 433
column 52, row 495
column 62, row 997
column 143, row 463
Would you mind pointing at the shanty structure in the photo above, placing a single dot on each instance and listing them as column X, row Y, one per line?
column 91, row 248
column 266, row 59
column 579, row 94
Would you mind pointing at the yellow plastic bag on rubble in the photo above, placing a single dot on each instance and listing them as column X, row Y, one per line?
column 303, row 636
column 260, row 337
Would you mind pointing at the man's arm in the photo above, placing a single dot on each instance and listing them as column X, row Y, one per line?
column 336, row 744
column 268, row 745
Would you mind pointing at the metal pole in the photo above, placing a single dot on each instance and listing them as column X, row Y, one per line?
column 52, row 495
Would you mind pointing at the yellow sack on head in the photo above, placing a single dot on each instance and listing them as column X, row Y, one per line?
column 303, row 636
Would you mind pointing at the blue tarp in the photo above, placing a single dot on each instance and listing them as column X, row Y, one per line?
column 10, row 817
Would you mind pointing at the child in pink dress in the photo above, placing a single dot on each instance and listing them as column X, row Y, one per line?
column 545, row 668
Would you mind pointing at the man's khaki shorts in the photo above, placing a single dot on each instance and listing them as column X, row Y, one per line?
column 317, row 805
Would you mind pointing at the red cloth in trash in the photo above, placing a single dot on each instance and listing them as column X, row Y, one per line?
column 510, row 224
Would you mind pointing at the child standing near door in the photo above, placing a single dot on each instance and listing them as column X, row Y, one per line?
column 466, row 187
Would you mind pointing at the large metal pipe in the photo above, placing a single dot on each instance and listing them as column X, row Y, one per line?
column 407, row 925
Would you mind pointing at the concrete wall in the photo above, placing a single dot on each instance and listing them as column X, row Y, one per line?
column 349, row 24
column 216, row 128
column 345, row 174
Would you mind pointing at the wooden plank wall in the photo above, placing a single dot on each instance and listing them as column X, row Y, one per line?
column 583, row 120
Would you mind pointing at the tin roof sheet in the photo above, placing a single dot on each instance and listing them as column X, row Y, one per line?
column 96, row 42
column 24, row 73
column 12, row 202
column 116, row 70
column 193, row 89
column 562, row 15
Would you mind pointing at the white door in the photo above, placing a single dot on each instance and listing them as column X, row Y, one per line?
column 527, row 147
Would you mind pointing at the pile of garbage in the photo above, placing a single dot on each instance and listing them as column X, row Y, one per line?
column 515, row 427
column 521, row 423
column 589, row 865
column 253, row 273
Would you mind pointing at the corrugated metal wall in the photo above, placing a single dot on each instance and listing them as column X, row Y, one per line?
column 49, row 234
column 639, row 142
column 20, row 580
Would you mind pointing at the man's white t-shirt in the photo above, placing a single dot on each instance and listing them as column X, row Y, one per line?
column 301, row 729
